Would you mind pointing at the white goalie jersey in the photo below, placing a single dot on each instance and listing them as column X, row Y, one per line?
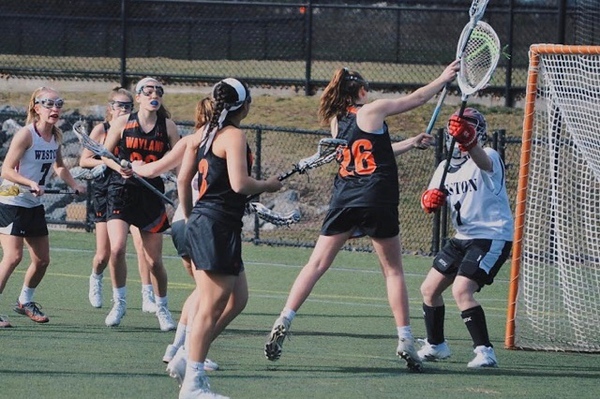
column 477, row 199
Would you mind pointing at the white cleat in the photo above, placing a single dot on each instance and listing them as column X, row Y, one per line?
column 406, row 351
column 116, row 313
column 433, row 352
column 484, row 357
column 169, row 353
column 274, row 344
column 165, row 319
column 148, row 303
column 95, row 293
column 199, row 388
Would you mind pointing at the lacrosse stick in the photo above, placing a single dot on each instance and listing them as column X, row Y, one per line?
column 481, row 53
column 80, row 130
column 15, row 189
column 88, row 174
column 271, row 216
column 326, row 152
column 475, row 14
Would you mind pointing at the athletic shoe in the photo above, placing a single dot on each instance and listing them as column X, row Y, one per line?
column 210, row 365
column 148, row 303
column 274, row 344
column 95, row 294
column 116, row 313
column 198, row 388
column 406, row 351
column 176, row 367
column 4, row 323
column 433, row 352
column 484, row 357
column 165, row 319
column 169, row 353
column 31, row 310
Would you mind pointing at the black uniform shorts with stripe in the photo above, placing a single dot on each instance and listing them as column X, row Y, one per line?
column 23, row 222
column 138, row 206
column 477, row 259
column 214, row 245
column 375, row 222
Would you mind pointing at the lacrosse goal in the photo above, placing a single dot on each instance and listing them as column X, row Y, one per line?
column 554, row 291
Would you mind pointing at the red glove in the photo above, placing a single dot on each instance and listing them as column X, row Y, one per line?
column 463, row 132
column 432, row 199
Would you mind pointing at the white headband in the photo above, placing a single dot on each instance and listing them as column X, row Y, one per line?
column 241, row 92
column 144, row 82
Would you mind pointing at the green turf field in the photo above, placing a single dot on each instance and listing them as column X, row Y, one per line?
column 342, row 344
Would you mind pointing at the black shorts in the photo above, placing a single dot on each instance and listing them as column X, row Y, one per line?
column 178, row 237
column 23, row 222
column 138, row 206
column 380, row 222
column 479, row 260
column 214, row 245
column 99, row 202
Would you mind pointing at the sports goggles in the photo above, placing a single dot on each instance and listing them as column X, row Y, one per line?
column 149, row 89
column 117, row 105
column 50, row 103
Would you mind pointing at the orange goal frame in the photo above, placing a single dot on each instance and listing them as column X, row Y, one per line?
column 535, row 51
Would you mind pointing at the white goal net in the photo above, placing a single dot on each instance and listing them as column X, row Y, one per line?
column 555, row 286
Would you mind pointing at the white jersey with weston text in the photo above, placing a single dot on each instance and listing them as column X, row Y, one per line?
column 477, row 199
column 36, row 165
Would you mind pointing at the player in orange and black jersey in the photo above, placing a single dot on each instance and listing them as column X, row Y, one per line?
column 213, row 231
column 145, row 135
column 120, row 102
column 365, row 197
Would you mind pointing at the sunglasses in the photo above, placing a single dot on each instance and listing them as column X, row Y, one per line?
column 49, row 103
column 149, row 90
column 117, row 105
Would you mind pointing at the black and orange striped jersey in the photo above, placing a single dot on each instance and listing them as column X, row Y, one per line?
column 368, row 173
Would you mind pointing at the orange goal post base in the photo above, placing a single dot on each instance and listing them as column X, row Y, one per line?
column 554, row 288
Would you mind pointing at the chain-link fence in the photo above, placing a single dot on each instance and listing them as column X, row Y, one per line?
column 398, row 46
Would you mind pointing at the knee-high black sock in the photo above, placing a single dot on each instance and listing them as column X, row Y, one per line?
column 474, row 319
column 434, row 323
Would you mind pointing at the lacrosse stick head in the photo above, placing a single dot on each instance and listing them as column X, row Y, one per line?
column 479, row 53
column 326, row 153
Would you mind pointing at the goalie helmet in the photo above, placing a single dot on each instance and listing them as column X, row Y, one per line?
column 475, row 119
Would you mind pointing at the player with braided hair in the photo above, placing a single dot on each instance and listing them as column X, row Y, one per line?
column 223, row 163
column 365, row 197
column 475, row 190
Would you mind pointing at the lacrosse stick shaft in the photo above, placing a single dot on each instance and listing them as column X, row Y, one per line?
column 98, row 149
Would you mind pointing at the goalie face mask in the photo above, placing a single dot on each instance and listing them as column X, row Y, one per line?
column 475, row 119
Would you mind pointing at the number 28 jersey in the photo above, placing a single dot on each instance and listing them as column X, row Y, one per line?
column 368, row 173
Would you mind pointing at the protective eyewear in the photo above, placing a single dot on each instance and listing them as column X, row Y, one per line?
column 148, row 90
column 49, row 103
column 117, row 105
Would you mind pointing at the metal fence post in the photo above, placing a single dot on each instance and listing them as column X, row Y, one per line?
column 308, row 43
column 258, row 174
column 123, row 43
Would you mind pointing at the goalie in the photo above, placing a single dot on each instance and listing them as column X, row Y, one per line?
column 475, row 191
